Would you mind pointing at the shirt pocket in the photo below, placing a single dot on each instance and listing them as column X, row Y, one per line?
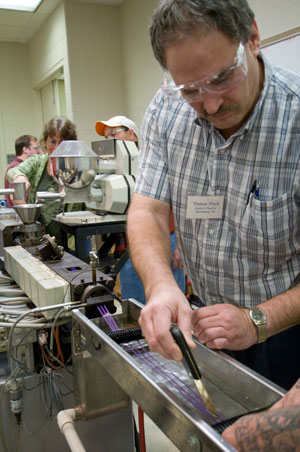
column 269, row 230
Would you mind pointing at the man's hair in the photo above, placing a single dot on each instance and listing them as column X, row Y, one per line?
column 65, row 127
column 174, row 20
column 23, row 141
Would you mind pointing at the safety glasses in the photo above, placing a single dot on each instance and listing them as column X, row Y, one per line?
column 216, row 83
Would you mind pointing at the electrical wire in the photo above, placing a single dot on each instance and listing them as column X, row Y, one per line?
column 18, row 437
column 6, row 310
column 23, row 300
column 59, row 350
column 12, row 292
column 11, row 324
column 14, row 375
column 57, row 315
column 49, row 389
column 45, row 347
column 45, row 417
column 5, row 278
column 48, row 360
column 39, row 310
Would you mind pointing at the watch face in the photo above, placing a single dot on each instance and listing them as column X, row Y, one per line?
column 258, row 316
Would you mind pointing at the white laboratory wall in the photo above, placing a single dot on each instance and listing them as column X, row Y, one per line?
column 17, row 115
column 276, row 16
column 48, row 48
column 48, row 53
column 142, row 73
column 96, row 64
column 108, row 64
column 24, row 69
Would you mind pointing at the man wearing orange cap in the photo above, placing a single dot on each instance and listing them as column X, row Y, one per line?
column 123, row 128
column 118, row 127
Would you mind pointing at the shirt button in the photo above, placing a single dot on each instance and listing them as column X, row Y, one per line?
column 209, row 268
column 218, row 192
column 211, row 232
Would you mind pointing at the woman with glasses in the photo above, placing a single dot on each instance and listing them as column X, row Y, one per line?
column 36, row 173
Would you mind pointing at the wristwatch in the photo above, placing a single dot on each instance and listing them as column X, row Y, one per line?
column 259, row 319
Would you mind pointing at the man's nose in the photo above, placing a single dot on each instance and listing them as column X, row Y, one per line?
column 209, row 102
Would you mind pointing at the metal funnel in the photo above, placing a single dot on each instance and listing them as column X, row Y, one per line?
column 28, row 213
column 73, row 165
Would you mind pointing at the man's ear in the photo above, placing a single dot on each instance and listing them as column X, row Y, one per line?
column 132, row 134
column 25, row 150
column 254, row 41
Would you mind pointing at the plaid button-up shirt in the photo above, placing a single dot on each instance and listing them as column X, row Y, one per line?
column 253, row 252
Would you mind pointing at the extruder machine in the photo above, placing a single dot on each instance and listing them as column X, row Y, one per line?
column 72, row 352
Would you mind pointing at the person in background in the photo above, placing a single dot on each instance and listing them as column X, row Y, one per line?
column 123, row 128
column 36, row 173
column 220, row 145
column 25, row 146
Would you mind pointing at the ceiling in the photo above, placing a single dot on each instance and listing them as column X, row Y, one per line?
column 17, row 26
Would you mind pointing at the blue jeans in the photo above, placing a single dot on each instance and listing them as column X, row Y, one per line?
column 131, row 285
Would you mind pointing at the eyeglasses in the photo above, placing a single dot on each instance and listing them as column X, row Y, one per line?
column 113, row 132
column 216, row 83
column 53, row 141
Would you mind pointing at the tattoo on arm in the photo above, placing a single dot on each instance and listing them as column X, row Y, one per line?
column 270, row 431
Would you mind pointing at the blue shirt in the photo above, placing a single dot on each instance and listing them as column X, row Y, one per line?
column 253, row 252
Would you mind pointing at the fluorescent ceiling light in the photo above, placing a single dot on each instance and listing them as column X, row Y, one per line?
column 20, row 5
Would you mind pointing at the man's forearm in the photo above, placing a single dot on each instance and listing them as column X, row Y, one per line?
column 270, row 431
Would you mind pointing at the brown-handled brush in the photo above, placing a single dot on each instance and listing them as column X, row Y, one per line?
column 192, row 368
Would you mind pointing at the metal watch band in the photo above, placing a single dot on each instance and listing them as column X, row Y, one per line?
column 261, row 329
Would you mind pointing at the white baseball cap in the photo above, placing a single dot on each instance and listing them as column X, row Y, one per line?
column 116, row 121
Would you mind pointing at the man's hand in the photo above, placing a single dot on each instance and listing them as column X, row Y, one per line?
column 224, row 326
column 166, row 306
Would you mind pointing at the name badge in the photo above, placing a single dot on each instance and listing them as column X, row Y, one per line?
column 205, row 207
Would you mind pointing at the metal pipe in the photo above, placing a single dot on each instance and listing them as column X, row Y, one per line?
column 48, row 196
column 7, row 191
column 93, row 263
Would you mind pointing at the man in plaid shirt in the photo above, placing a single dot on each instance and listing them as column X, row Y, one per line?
column 220, row 146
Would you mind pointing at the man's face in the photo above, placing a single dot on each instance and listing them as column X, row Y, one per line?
column 52, row 143
column 119, row 133
column 33, row 149
column 199, row 56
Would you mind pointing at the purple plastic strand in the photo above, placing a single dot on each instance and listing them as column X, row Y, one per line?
column 106, row 318
column 149, row 359
column 170, row 377
column 196, row 394
column 112, row 319
column 107, row 314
